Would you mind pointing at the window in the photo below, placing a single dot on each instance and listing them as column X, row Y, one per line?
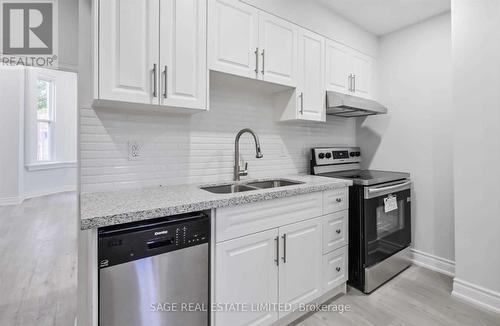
column 44, row 119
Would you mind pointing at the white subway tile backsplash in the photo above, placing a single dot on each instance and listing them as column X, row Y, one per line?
column 199, row 148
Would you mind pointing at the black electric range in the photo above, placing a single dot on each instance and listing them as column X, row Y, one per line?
column 379, row 215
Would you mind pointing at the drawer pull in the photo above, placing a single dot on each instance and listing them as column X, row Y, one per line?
column 337, row 269
column 338, row 231
column 338, row 200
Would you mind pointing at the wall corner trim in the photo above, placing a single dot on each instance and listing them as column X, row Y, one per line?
column 476, row 295
column 432, row 262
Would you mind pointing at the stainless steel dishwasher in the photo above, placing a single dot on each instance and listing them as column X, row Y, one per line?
column 155, row 272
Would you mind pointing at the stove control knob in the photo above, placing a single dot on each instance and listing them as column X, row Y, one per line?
column 358, row 153
column 352, row 154
column 321, row 156
column 328, row 155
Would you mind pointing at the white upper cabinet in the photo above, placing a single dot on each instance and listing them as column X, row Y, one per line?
column 247, row 42
column 233, row 38
column 300, row 273
column 348, row 71
column 338, row 67
column 128, row 50
column 153, row 52
column 311, row 94
column 278, row 50
column 362, row 68
column 183, row 53
column 246, row 272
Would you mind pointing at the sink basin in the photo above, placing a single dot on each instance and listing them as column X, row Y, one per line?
column 249, row 186
column 273, row 183
column 228, row 189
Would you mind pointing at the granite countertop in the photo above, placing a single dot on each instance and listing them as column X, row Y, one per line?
column 117, row 207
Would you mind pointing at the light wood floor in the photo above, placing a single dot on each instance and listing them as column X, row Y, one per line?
column 416, row 297
column 38, row 256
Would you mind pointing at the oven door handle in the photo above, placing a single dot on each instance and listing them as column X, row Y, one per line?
column 375, row 192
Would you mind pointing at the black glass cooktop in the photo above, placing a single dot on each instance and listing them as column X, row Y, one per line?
column 367, row 177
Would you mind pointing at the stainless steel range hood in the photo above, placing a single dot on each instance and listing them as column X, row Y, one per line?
column 343, row 105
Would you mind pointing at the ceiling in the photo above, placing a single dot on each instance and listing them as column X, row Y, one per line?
column 385, row 16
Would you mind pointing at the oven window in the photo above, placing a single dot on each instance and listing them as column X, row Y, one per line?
column 386, row 233
column 390, row 222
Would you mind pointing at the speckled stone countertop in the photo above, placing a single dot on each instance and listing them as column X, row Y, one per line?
column 117, row 207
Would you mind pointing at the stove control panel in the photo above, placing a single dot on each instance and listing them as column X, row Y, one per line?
column 335, row 155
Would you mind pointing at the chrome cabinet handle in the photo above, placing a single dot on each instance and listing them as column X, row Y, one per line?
column 256, row 60
column 154, row 80
column 301, row 103
column 284, row 248
column 263, row 61
column 338, row 231
column 277, row 260
column 337, row 269
column 165, row 76
column 354, row 83
column 349, row 83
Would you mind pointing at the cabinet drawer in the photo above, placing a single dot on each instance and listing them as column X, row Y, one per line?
column 335, row 269
column 335, row 200
column 236, row 221
column 335, row 231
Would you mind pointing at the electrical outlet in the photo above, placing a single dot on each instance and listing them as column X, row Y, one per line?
column 134, row 151
column 283, row 151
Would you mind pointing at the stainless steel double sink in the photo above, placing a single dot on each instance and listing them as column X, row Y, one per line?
column 250, row 185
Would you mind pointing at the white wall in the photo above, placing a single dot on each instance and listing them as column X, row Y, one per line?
column 415, row 85
column 321, row 19
column 476, row 108
column 199, row 148
column 11, row 108
column 68, row 34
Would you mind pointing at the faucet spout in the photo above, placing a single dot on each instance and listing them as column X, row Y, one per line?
column 258, row 153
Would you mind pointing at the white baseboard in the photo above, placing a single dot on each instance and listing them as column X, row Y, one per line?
column 476, row 295
column 10, row 201
column 18, row 200
column 435, row 263
column 47, row 192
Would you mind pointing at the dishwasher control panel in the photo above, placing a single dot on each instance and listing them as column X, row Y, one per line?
column 127, row 242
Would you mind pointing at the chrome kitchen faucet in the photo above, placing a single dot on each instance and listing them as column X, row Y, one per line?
column 258, row 154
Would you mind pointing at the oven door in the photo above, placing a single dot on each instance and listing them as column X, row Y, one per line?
column 387, row 220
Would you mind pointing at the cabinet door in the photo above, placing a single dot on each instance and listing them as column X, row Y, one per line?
column 362, row 68
column 311, row 90
column 335, row 268
column 335, row 231
column 128, row 50
column 278, row 50
column 301, row 263
column 183, row 76
column 246, row 272
column 233, row 38
column 338, row 67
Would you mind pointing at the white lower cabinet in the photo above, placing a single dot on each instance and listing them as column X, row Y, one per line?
column 334, row 231
column 246, row 272
column 277, row 263
column 335, row 268
column 301, row 263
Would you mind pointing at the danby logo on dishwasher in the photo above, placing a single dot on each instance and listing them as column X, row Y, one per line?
column 161, row 232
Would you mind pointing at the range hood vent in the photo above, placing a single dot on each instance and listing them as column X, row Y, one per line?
column 349, row 106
